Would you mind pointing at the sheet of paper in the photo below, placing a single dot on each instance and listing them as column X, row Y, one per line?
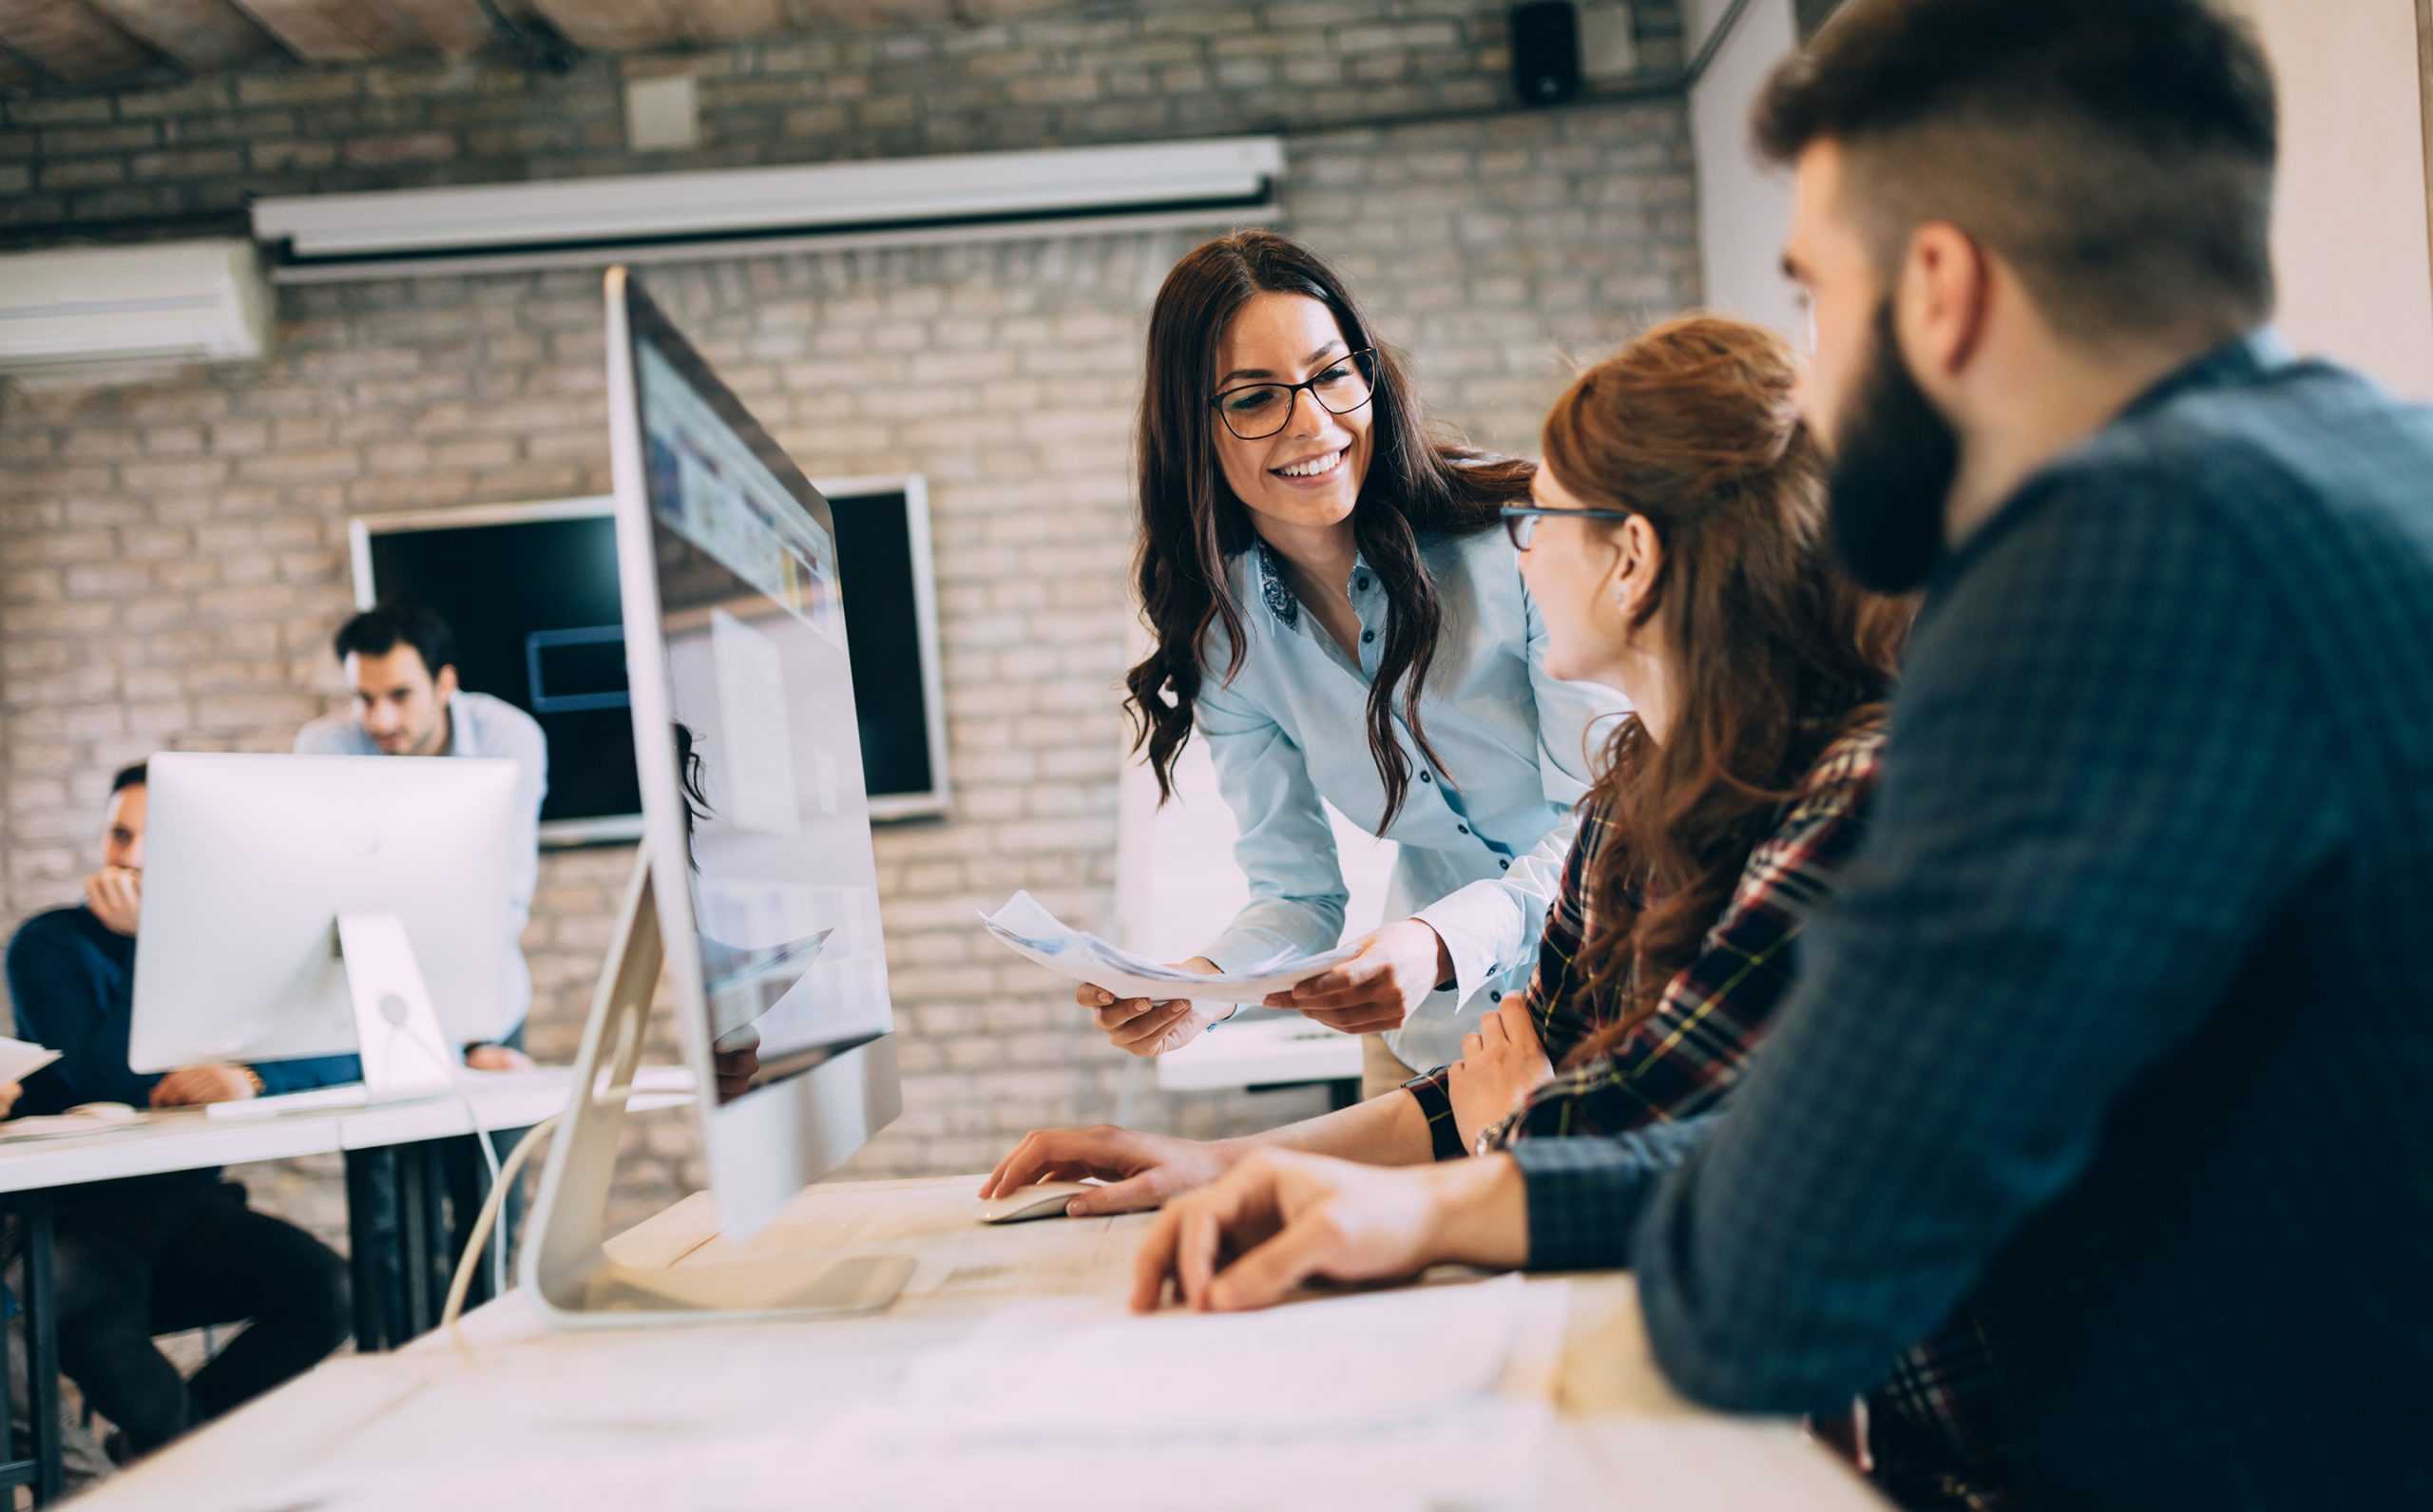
column 1030, row 932
column 1435, row 1396
column 19, row 1059
column 1427, row 1397
column 735, row 973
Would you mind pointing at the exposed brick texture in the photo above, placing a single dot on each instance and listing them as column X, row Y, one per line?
column 172, row 554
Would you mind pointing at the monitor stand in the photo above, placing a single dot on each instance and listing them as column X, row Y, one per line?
column 568, row 1270
column 405, row 1054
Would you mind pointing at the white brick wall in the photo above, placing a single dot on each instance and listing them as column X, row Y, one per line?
column 172, row 563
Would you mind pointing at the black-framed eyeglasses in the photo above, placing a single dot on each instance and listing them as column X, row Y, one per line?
column 1520, row 521
column 1253, row 412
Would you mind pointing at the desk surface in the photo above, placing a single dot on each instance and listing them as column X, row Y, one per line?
column 513, row 1412
column 189, row 1139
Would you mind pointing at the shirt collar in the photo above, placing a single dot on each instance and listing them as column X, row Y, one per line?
column 2242, row 359
column 460, row 730
column 1275, row 582
column 1274, row 587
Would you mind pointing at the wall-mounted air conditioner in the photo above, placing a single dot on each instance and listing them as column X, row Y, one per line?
column 672, row 217
column 98, row 311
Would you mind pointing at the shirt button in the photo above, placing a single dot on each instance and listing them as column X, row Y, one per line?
column 1463, row 827
column 1362, row 583
column 1425, row 777
column 1367, row 636
column 1505, row 865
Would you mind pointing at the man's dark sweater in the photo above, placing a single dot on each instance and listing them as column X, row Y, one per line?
column 71, row 982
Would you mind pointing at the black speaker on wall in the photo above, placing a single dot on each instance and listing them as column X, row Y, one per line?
column 1546, row 52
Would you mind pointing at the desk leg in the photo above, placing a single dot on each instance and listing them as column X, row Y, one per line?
column 41, row 1303
column 435, row 1267
column 413, row 1248
column 369, row 1234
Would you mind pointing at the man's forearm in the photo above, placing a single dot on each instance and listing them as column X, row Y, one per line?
column 1481, row 1213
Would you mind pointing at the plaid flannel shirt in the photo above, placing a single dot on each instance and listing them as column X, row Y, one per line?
column 2117, row 1031
column 1936, row 1430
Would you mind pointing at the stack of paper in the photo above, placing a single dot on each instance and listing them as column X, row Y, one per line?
column 1032, row 932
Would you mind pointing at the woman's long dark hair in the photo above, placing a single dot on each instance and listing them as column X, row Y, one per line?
column 1191, row 523
column 1694, row 427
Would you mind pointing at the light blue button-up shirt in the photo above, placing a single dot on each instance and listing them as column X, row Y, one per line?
column 1482, row 839
column 478, row 725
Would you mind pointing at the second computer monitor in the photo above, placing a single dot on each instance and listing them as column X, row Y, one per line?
column 755, row 819
column 249, row 860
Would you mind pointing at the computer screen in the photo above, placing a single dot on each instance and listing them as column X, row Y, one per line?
column 532, row 592
column 760, row 703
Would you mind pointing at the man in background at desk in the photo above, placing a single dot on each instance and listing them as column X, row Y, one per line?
column 400, row 659
column 159, row 1253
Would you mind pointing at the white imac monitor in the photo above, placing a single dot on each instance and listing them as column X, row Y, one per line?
column 251, row 862
column 755, row 819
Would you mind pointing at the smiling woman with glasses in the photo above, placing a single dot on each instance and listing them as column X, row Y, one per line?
column 1336, row 615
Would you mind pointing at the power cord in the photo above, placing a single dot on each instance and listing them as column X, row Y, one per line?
column 452, row 1313
column 453, row 1074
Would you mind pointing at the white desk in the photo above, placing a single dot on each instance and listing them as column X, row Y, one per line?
column 1266, row 1053
column 190, row 1138
column 524, row 1413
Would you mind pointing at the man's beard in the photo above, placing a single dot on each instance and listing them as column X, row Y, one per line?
column 1895, row 460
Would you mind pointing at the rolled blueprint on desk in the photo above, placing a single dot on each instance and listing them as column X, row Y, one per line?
column 1032, row 932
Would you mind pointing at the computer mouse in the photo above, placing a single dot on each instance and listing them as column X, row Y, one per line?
column 1045, row 1200
column 105, row 1112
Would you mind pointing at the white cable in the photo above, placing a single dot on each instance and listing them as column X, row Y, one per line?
column 453, row 1074
column 463, row 1285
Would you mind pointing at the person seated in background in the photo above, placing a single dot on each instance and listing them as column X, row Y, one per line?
column 1676, row 545
column 400, row 659
column 71, row 979
column 2117, row 1031
column 181, row 1249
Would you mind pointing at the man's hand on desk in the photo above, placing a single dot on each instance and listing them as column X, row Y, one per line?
column 199, row 1085
column 1281, row 1218
column 1146, row 1169
column 9, row 1093
column 496, row 1058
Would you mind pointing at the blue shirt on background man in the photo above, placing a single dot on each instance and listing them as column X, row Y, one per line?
column 480, row 725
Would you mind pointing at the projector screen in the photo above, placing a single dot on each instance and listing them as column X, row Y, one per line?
column 531, row 592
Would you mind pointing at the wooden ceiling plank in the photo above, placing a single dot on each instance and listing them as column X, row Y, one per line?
column 455, row 27
column 68, row 41
column 614, row 26
column 733, row 20
column 199, row 35
column 336, row 30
